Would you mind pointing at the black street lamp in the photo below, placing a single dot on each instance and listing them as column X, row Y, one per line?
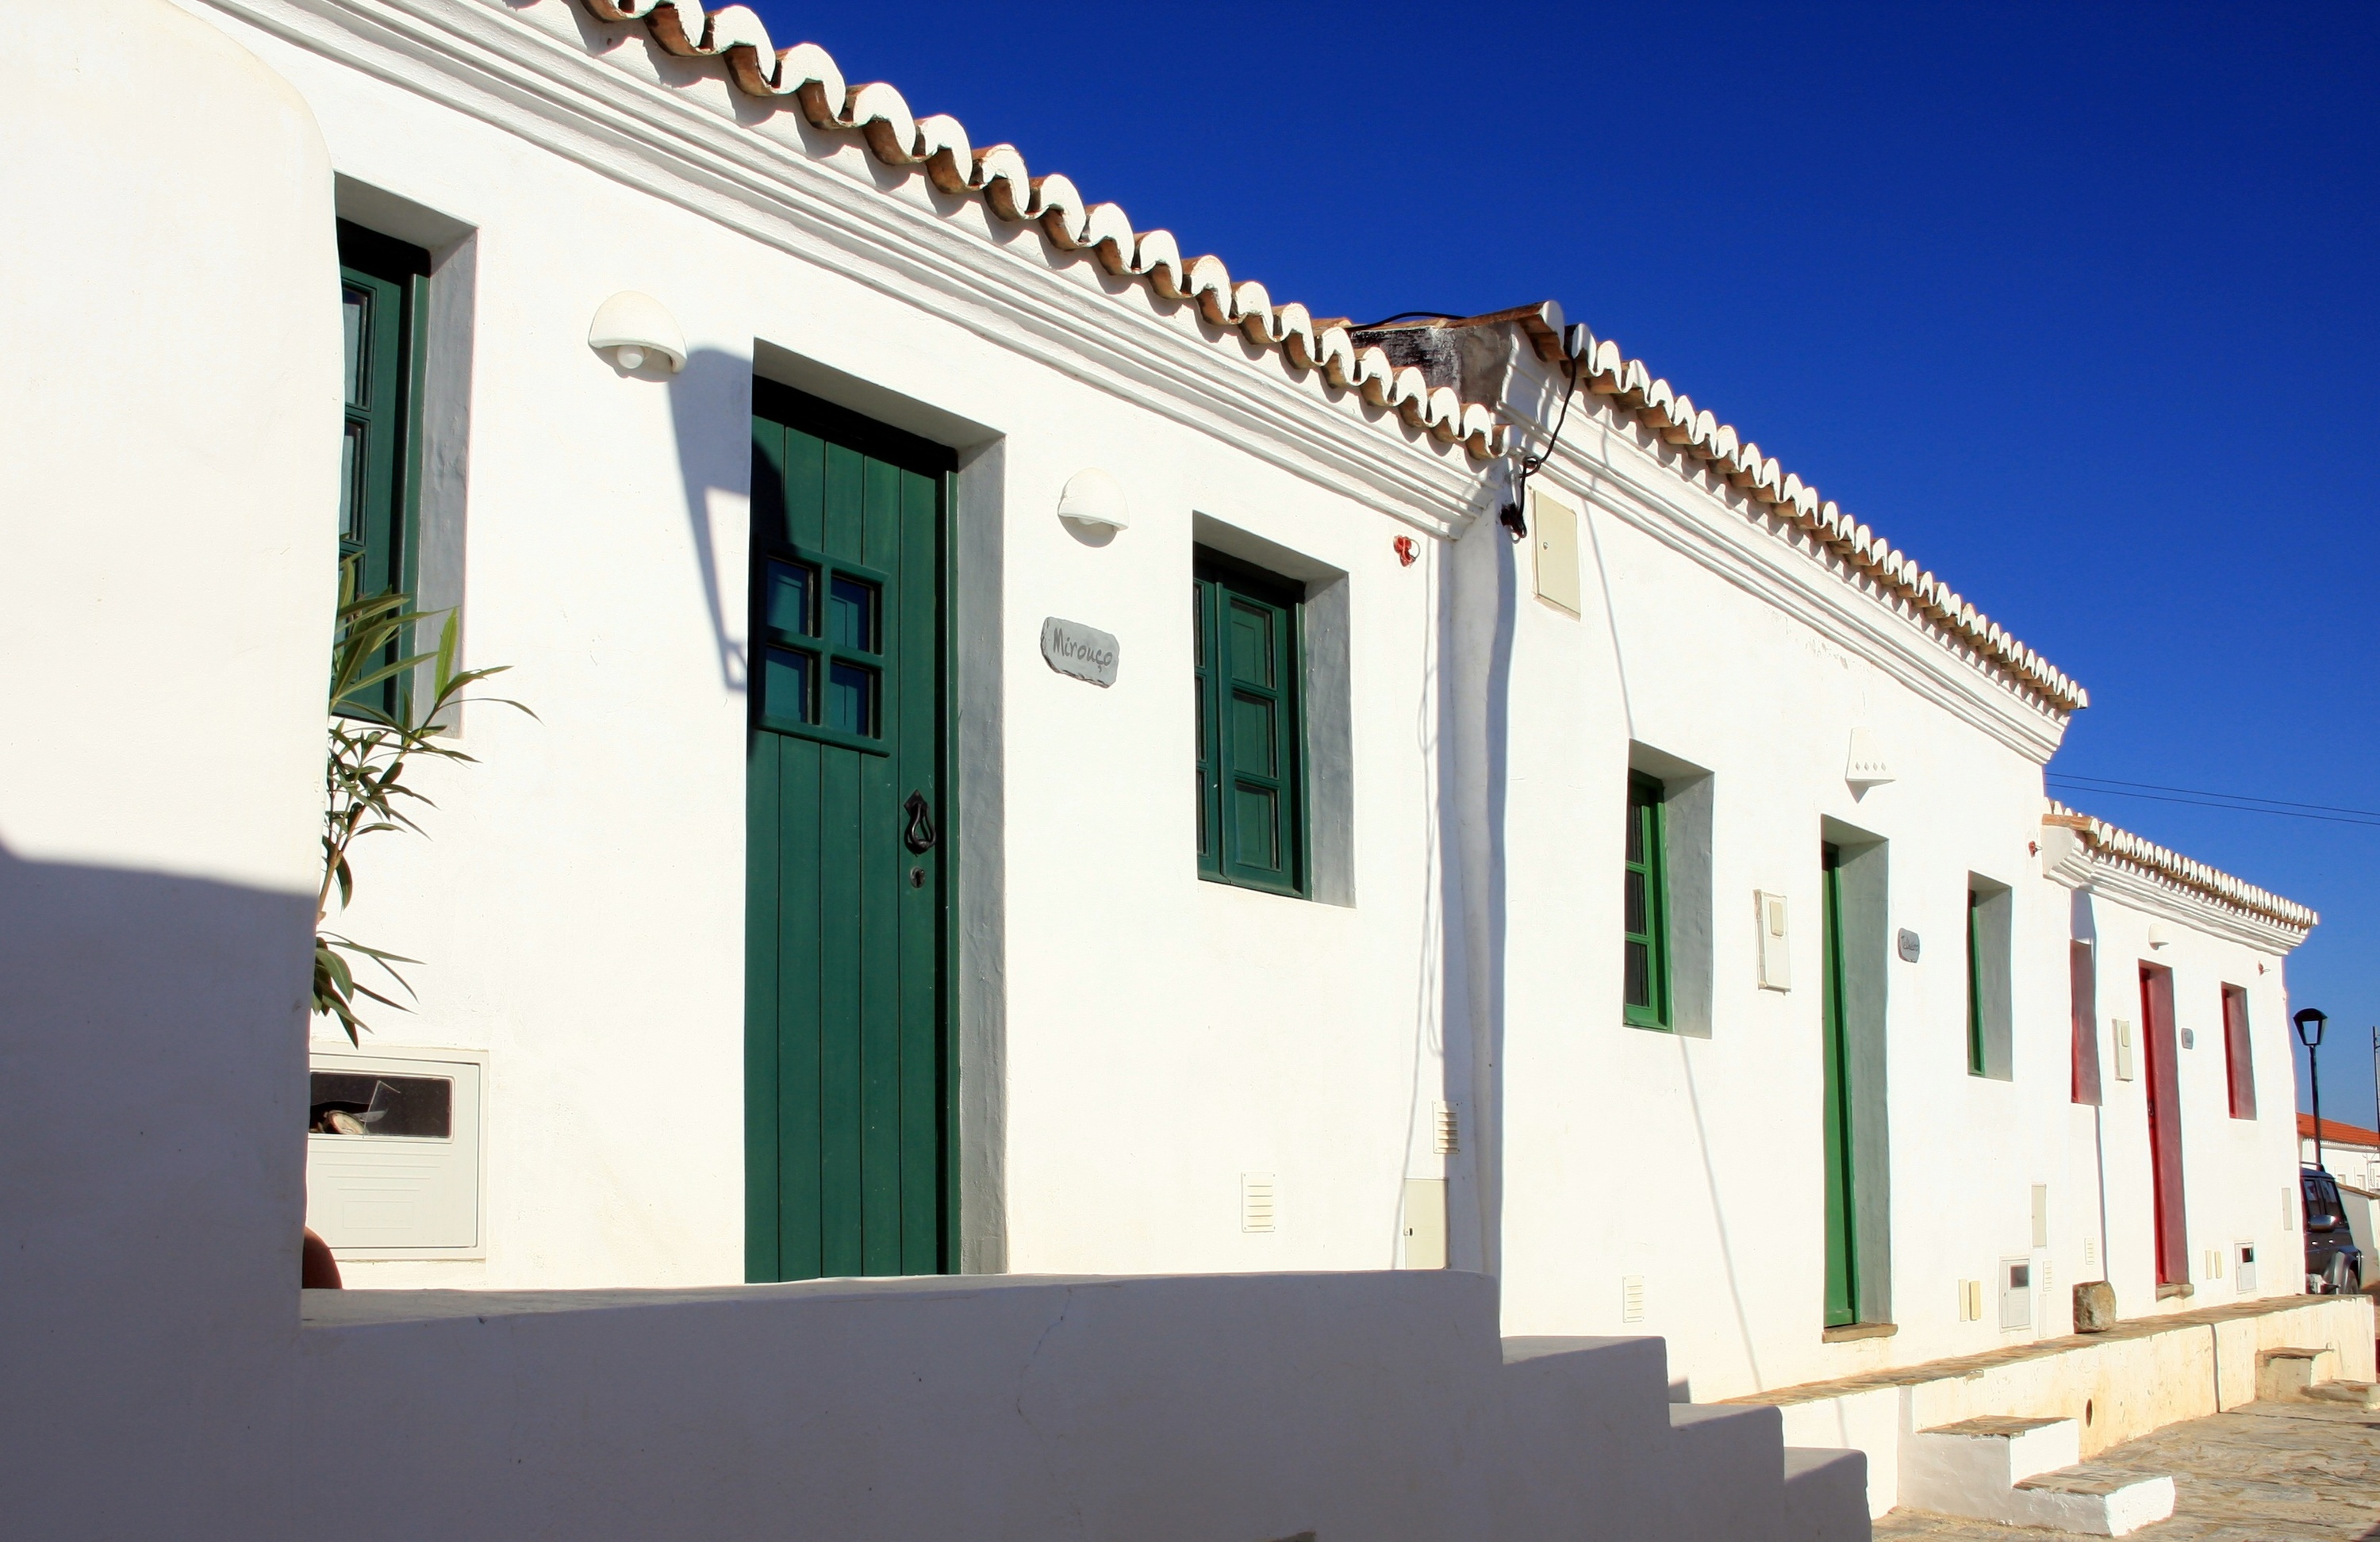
column 2310, row 1021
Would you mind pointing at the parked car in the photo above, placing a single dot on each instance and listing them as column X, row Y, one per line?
column 2333, row 1263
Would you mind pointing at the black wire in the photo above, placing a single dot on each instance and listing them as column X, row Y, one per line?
column 2233, row 808
column 1514, row 516
column 2201, row 792
column 1407, row 316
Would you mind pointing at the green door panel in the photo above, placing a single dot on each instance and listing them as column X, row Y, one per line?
column 847, row 1064
column 1842, row 1245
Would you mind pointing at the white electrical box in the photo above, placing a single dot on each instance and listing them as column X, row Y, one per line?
column 2123, row 1027
column 392, row 1153
column 2016, row 1294
column 1776, row 950
column 1424, row 1227
column 2244, row 1273
column 1554, row 524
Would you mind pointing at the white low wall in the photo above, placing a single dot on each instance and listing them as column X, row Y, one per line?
column 1362, row 1405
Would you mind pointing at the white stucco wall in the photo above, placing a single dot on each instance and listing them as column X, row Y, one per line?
column 152, row 945
column 1143, row 1039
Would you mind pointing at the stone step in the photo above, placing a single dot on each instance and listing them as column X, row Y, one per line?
column 2283, row 1374
column 1826, row 1496
column 2357, row 1395
column 2026, row 1471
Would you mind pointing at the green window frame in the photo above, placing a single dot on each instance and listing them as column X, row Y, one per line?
column 1250, row 666
column 1977, row 1064
column 383, row 284
column 1645, row 918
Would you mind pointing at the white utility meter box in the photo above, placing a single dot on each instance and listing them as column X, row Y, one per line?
column 392, row 1153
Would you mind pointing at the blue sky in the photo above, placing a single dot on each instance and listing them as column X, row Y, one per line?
column 2079, row 304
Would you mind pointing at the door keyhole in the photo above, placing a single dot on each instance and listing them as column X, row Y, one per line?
column 917, row 878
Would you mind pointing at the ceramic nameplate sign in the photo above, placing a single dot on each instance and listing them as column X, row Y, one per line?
column 1085, row 653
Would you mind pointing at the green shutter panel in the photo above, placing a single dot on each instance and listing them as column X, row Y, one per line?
column 1645, row 993
column 1251, row 733
column 380, row 291
column 1975, row 1062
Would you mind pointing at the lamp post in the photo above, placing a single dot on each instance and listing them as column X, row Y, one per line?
column 2310, row 1021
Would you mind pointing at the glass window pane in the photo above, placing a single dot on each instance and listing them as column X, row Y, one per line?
column 1636, row 907
column 1250, row 643
column 791, row 605
column 1637, row 988
column 1636, row 820
column 378, row 1104
column 1253, row 820
column 851, row 699
column 356, row 310
column 851, row 614
column 787, row 686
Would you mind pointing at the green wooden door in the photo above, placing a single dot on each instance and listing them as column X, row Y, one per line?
column 1842, row 1245
column 848, row 1073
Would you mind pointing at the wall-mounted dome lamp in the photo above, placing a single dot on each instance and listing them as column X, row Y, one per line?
column 634, row 328
column 1094, row 500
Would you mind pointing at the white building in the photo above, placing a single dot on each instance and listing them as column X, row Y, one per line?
column 831, row 487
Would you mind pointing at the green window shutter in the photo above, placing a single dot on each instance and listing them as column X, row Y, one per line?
column 1251, row 731
column 1644, row 926
column 380, row 285
column 1975, row 1064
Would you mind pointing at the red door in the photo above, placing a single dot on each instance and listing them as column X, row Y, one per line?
column 2165, row 1123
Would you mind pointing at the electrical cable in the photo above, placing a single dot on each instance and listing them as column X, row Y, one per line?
column 2231, row 807
column 1409, row 316
column 2202, row 792
column 1514, row 520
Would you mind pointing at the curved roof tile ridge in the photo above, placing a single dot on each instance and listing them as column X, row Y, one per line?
column 880, row 116
column 1673, row 418
column 2216, row 884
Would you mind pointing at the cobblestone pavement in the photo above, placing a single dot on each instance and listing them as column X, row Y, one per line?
column 2271, row 1472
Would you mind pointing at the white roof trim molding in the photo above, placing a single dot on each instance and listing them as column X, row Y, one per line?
column 938, row 146
column 1700, row 444
column 2081, row 852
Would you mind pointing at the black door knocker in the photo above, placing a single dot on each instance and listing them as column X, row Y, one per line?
column 921, row 834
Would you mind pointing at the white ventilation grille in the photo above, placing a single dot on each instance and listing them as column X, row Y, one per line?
column 1631, row 1298
column 2090, row 1252
column 1256, row 1202
column 1446, row 1136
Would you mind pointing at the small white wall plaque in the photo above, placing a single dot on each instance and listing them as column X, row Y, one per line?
column 1085, row 653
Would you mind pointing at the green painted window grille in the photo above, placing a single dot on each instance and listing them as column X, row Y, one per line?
column 380, row 291
column 1645, row 976
column 1977, row 1064
column 1250, row 662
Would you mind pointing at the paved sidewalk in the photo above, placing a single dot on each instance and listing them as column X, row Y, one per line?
column 2271, row 1472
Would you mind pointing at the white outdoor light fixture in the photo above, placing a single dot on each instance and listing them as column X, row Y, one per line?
column 639, row 327
column 1093, row 498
